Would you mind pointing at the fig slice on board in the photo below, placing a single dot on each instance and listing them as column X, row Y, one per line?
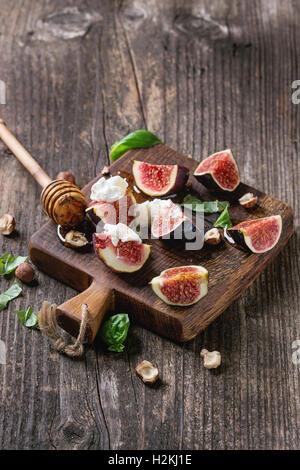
column 119, row 255
column 112, row 212
column 258, row 235
column 181, row 286
column 171, row 223
column 159, row 180
column 219, row 172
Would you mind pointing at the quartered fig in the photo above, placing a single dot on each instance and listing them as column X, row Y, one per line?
column 112, row 212
column 159, row 180
column 172, row 224
column 181, row 286
column 219, row 172
column 258, row 235
column 120, row 248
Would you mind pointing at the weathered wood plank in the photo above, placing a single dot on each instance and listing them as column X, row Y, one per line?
column 202, row 75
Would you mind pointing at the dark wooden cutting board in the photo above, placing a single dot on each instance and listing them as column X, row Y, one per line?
column 230, row 270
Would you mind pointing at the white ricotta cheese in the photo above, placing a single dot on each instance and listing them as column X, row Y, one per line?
column 120, row 232
column 109, row 189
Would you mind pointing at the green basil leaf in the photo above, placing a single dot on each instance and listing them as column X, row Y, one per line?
column 27, row 318
column 224, row 220
column 135, row 140
column 114, row 331
column 208, row 207
column 9, row 264
column 10, row 294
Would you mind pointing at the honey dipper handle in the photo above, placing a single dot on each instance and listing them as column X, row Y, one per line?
column 23, row 156
column 99, row 299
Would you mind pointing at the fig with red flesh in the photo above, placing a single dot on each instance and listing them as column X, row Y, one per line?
column 159, row 180
column 181, row 286
column 258, row 235
column 125, row 257
column 219, row 172
column 171, row 224
column 112, row 212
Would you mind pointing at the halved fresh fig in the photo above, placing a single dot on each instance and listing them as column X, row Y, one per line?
column 219, row 172
column 159, row 180
column 170, row 223
column 258, row 235
column 121, row 256
column 181, row 286
column 112, row 212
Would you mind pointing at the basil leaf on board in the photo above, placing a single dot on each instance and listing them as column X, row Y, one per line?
column 9, row 263
column 114, row 331
column 27, row 318
column 224, row 220
column 13, row 292
column 134, row 140
column 208, row 207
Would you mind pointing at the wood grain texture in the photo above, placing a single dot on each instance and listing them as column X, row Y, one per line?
column 203, row 76
column 230, row 271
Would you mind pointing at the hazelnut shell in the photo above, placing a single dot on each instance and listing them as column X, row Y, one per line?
column 146, row 371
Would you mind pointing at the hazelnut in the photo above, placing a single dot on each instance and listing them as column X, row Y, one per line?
column 66, row 176
column 75, row 239
column 147, row 372
column 105, row 171
column 25, row 273
column 248, row 200
column 211, row 360
column 213, row 237
column 7, row 224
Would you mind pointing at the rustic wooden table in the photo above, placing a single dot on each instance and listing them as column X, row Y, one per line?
column 203, row 75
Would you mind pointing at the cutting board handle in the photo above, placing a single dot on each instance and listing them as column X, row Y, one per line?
column 99, row 299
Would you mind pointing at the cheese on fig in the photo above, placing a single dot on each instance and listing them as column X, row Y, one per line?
column 120, row 232
column 109, row 189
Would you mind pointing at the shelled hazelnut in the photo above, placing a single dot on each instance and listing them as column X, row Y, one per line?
column 248, row 200
column 146, row 371
column 211, row 360
column 213, row 237
column 7, row 224
column 25, row 273
column 66, row 176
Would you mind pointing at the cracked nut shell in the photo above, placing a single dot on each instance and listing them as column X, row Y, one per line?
column 7, row 224
column 211, row 360
column 212, row 237
column 248, row 200
column 146, row 371
column 25, row 273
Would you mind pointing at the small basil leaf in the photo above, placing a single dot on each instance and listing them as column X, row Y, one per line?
column 10, row 294
column 135, row 140
column 224, row 220
column 114, row 331
column 9, row 263
column 27, row 318
column 208, row 207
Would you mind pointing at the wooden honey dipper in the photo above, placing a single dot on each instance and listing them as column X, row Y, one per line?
column 62, row 201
